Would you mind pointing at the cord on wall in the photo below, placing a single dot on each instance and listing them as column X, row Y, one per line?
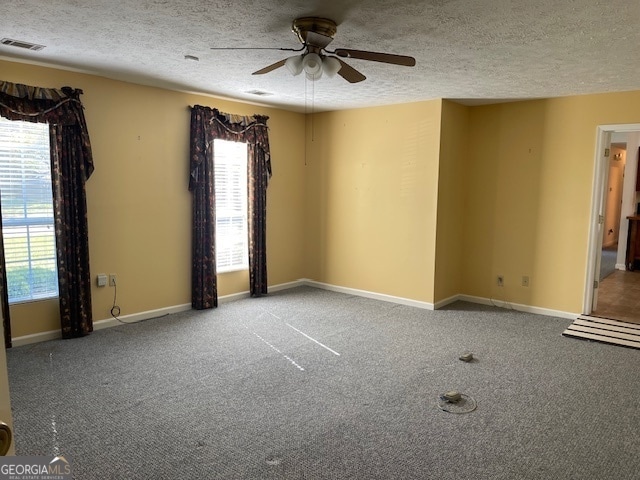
column 115, row 309
column 505, row 303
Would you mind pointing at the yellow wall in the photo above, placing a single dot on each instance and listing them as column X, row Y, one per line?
column 454, row 149
column 372, row 182
column 422, row 201
column 502, row 198
column 530, row 172
column 139, row 207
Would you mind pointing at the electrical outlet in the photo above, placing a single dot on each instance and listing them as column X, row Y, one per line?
column 500, row 280
column 112, row 280
column 525, row 280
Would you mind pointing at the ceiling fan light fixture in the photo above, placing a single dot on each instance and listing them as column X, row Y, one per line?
column 312, row 64
column 331, row 66
column 294, row 64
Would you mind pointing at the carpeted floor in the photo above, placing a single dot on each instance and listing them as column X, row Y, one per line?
column 310, row 384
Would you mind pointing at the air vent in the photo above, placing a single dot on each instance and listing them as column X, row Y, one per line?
column 259, row 93
column 21, row 44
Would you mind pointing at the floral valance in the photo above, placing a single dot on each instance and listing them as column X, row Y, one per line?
column 47, row 105
column 226, row 126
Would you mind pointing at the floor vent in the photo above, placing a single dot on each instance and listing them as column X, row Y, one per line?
column 604, row 330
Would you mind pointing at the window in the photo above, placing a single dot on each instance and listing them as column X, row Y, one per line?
column 231, row 205
column 27, row 211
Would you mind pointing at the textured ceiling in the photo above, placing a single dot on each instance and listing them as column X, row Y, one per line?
column 472, row 50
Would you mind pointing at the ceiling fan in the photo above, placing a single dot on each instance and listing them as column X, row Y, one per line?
column 316, row 34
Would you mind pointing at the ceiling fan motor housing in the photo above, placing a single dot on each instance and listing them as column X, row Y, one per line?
column 316, row 25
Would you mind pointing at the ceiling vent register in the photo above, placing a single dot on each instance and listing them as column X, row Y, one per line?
column 21, row 44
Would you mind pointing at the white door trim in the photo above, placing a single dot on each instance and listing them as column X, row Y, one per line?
column 600, row 171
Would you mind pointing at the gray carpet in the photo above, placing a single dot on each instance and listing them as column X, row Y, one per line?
column 241, row 393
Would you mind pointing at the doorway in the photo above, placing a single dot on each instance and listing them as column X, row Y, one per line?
column 612, row 291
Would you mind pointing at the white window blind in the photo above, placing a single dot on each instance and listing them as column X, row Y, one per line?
column 231, row 205
column 27, row 211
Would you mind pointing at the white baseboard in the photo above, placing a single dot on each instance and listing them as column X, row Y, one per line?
column 273, row 288
column 442, row 303
column 364, row 293
column 519, row 307
column 620, row 266
column 100, row 324
column 36, row 338
column 286, row 286
column 161, row 312
column 140, row 316
column 446, row 301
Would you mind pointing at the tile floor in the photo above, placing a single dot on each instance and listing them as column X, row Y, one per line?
column 619, row 297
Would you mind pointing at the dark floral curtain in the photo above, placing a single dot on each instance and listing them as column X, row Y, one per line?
column 71, row 166
column 208, row 124
column 4, row 292
column 204, row 287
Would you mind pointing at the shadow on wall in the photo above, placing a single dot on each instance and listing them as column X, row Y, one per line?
column 503, row 204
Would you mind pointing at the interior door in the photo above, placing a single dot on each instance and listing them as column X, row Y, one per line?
column 603, row 166
column 614, row 191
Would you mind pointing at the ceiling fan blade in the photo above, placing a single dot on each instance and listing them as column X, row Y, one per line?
column 349, row 73
column 376, row 57
column 270, row 68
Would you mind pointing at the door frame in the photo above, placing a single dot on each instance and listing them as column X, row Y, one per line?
column 600, row 174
